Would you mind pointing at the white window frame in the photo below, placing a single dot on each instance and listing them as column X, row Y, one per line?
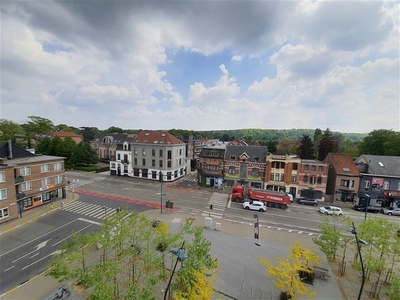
column 58, row 179
column 26, row 186
column 58, row 166
column 2, row 210
column 2, row 176
column 367, row 184
column 3, row 194
column 386, row 185
column 45, row 168
column 24, row 171
column 46, row 181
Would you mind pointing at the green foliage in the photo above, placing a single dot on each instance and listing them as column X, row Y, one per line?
column 9, row 130
column 306, row 147
column 84, row 155
column 39, row 125
column 326, row 144
column 287, row 146
column 114, row 129
column 381, row 142
column 393, row 290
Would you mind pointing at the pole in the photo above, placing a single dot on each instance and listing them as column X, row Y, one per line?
column 172, row 274
column 161, row 180
column 366, row 208
column 361, row 262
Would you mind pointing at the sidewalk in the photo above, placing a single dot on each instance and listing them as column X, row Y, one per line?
column 235, row 236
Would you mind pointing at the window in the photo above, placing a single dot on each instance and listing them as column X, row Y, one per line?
column 26, row 186
column 135, row 151
column 3, row 194
column 161, row 163
column 305, row 179
column 169, row 164
column 46, row 181
column 135, row 161
column 143, row 161
column 313, row 179
column 320, row 168
column 180, row 161
column 58, row 166
column 294, row 166
column 153, row 152
column 45, row 168
column 367, row 184
column 398, row 186
column 4, row 212
column 58, row 179
column 233, row 157
column 161, row 153
column 153, row 162
column 25, row 171
column 232, row 170
column 254, row 172
column 180, row 151
column 144, row 151
column 272, row 177
column 319, row 180
column 212, row 168
column 306, row 167
column 352, row 182
column 344, row 183
column 313, row 168
column 277, row 177
column 256, row 159
column 282, row 177
column 2, row 177
column 294, row 178
column 119, row 156
column 113, row 165
column 169, row 154
column 386, row 185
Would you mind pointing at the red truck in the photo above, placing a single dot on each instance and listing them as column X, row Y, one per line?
column 272, row 199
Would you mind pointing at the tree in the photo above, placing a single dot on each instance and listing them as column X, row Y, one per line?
column 114, row 129
column 39, row 125
column 287, row 146
column 84, row 155
column 393, row 291
column 89, row 133
column 326, row 145
column 44, row 146
column 287, row 271
column 306, row 147
column 380, row 142
column 9, row 130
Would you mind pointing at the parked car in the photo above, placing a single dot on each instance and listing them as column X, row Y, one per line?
column 255, row 205
column 307, row 201
column 395, row 211
column 331, row 210
column 372, row 209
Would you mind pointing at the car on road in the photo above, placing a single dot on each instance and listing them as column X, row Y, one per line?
column 307, row 201
column 331, row 210
column 395, row 211
column 255, row 205
column 370, row 208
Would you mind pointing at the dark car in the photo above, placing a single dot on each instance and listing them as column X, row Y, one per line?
column 371, row 209
column 307, row 201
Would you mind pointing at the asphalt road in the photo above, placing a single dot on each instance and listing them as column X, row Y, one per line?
column 27, row 251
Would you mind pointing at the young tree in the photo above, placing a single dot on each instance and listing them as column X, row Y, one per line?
column 306, row 147
column 286, row 271
column 326, row 145
column 8, row 130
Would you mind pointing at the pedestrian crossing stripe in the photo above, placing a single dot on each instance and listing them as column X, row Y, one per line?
column 92, row 210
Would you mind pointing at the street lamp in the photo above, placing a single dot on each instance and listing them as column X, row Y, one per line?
column 366, row 206
column 180, row 256
column 161, row 180
column 359, row 242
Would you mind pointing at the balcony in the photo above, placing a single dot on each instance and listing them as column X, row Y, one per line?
column 19, row 180
column 20, row 195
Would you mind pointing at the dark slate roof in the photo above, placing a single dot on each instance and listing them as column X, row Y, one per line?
column 252, row 151
column 117, row 138
column 342, row 163
column 17, row 151
column 381, row 165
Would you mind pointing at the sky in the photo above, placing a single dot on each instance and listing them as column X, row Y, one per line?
column 202, row 65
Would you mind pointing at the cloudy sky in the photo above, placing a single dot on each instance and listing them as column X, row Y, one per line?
column 202, row 65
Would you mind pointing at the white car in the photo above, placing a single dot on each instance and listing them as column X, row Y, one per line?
column 255, row 205
column 331, row 210
column 395, row 211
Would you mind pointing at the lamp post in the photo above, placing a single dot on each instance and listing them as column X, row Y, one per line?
column 161, row 180
column 366, row 206
column 359, row 242
column 180, row 256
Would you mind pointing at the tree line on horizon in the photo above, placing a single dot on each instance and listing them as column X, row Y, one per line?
column 307, row 143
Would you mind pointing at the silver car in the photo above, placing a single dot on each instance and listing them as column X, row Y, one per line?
column 395, row 211
column 331, row 210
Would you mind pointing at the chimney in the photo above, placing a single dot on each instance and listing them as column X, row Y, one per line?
column 10, row 156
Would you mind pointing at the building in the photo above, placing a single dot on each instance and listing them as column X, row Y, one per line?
column 210, row 165
column 61, row 134
column 245, row 165
column 151, row 155
column 343, row 177
column 28, row 180
column 105, row 144
column 296, row 176
column 379, row 180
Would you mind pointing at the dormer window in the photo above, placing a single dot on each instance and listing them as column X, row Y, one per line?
column 233, row 157
column 256, row 159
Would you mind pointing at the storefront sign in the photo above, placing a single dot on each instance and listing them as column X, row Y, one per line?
column 391, row 194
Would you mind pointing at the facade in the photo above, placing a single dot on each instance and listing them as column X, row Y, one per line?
column 343, row 177
column 210, row 165
column 28, row 180
column 296, row 176
column 154, row 155
column 105, row 144
column 379, row 180
column 245, row 164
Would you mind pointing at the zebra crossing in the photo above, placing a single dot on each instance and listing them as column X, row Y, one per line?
column 218, row 202
column 74, row 183
column 91, row 210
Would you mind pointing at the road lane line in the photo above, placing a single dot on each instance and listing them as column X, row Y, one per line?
column 5, row 270
column 71, row 235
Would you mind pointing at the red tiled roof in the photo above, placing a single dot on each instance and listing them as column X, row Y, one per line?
column 63, row 134
column 343, row 163
column 156, row 137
